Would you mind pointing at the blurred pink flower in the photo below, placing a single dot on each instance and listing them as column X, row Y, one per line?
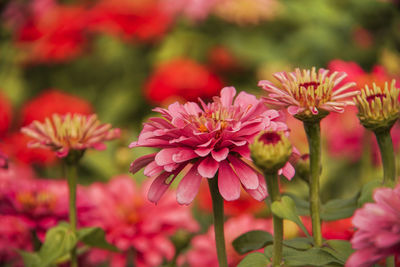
column 130, row 222
column 206, row 140
column 70, row 132
column 203, row 252
column 378, row 234
column 14, row 234
column 193, row 9
column 308, row 92
column 41, row 204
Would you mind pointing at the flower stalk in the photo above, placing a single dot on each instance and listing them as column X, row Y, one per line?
column 313, row 131
column 218, row 215
column 273, row 191
column 388, row 159
column 71, row 175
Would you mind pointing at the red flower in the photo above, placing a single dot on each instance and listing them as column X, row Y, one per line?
column 182, row 78
column 5, row 115
column 53, row 101
column 144, row 20
column 55, row 36
column 16, row 146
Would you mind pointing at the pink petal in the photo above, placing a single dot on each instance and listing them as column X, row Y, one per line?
column 62, row 153
column 293, row 110
column 152, row 169
column 288, row 171
column 188, row 187
column 246, row 174
column 208, row 167
column 158, row 187
column 221, row 154
column 99, row 146
column 261, row 192
column 141, row 162
column 202, row 152
column 227, row 94
column 183, row 155
column 164, row 157
column 228, row 182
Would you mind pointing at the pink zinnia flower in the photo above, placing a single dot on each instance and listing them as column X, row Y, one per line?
column 203, row 252
column 41, row 204
column 378, row 234
column 206, row 140
column 307, row 92
column 70, row 132
column 130, row 222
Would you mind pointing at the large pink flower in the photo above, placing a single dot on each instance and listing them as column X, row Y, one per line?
column 206, row 140
column 203, row 252
column 378, row 224
column 132, row 223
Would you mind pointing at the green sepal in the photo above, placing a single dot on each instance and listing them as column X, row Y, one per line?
column 286, row 209
column 251, row 241
column 255, row 259
column 95, row 237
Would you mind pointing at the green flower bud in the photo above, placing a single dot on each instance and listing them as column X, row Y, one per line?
column 378, row 109
column 270, row 151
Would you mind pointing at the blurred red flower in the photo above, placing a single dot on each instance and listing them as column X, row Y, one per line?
column 54, row 101
column 5, row 114
column 340, row 229
column 183, row 79
column 144, row 19
column 56, row 35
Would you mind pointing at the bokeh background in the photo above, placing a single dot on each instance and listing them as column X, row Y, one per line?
column 121, row 58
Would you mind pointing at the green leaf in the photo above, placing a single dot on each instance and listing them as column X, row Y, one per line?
column 255, row 259
column 59, row 241
column 286, row 209
column 30, row 259
column 300, row 243
column 251, row 241
column 311, row 257
column 339, row 208
column 302, row 205
column 366, row 192
column 95, row 237
column 340, row 249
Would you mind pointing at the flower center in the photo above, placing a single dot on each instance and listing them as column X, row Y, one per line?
column 308, row 84
column 371, row 98
column 270, row 138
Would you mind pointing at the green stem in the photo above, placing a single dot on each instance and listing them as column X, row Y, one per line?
column 273, row 191
column 218, row 213
column 312, row 130
column 390, row 261
column 72, row 185
column 388, row 160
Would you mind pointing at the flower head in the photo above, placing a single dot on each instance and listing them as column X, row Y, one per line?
column 378, row 234
column 309, row 94
column 206, row 140
column 378, row 107
column 130, row 222
column 70, row 132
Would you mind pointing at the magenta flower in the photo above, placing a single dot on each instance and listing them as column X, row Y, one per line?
column 206, row 140
column 132, row 223
column 306, row 92
column 70, row 132
column 378, row 234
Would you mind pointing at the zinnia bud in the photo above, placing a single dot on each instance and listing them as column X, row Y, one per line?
column 270, row 151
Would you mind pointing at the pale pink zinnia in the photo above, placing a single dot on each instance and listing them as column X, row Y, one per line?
column 378, row 234
column 132, row 223
column 63, row 133
column 204, row 140
column 308, row 92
